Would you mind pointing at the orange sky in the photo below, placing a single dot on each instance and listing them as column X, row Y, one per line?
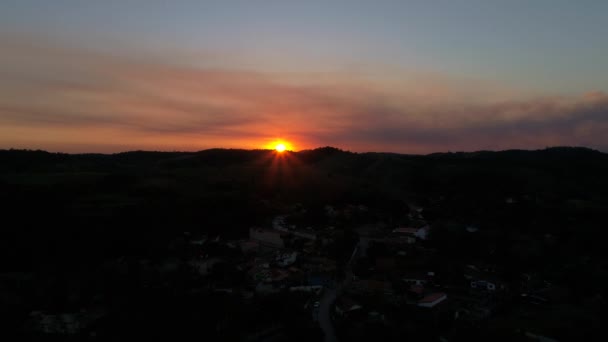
column 79, row 100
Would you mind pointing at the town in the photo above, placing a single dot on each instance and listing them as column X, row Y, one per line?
column 339, row 281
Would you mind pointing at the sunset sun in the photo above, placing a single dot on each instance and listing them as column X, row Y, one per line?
column 280, row 147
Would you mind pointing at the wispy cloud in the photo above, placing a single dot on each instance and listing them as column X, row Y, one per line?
column 71, row 99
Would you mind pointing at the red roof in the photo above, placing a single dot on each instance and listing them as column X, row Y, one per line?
column 432, row 297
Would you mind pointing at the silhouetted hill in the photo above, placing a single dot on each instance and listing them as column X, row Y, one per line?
column 37, row 158
column 123, row 200
column 71, row 218
column 507, row 171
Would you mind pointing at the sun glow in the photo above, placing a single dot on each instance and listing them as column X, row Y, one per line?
column 280, row 147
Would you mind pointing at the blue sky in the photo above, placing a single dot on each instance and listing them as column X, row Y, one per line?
column 550, row 44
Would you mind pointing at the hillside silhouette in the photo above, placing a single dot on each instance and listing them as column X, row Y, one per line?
column 121, row 201
column 91, row 219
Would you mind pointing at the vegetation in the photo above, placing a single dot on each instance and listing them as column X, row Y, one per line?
column 540, row 212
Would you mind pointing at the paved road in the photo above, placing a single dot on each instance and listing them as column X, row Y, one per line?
column 329, row 296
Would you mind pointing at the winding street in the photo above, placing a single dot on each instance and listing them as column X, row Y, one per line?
column 329, row 296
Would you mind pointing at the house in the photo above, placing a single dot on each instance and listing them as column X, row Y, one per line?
column 373, row 286
column 276, row 275
column 406, row 234
column 320, row 265
column 73, row 323
column 420, row 233
column 278, row 223
column 198, row 242
column 432, row 299
column 483, row 285
column 204, row 266
column 415, row 212
column 385, row 264
column 286, row 259
column 346, row 306
column 423, row 233
column 168, row 265
column 267, row 288
column 319, row 280
column 539, row 338
column 269, row 275
column 418, row 281
column 379, row 286
column 487, row 282
column 249, row 246
column 64, row 324
column 375, row 316
column 417, row 290
column 330, row 211
column 308, row 233
column 420, row 278
column 479, row 271
column 472, row 229
column 267, row 237
column 473, row 312
column 534, row 299
column 303, row 288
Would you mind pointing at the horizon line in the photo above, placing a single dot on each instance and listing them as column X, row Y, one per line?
column 303, row 150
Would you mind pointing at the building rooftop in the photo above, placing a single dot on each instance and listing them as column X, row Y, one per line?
column 433, row 297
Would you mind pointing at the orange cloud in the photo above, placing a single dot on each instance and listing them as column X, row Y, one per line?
column 73, row 100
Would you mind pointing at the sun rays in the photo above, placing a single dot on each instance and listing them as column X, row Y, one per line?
column 279, row 145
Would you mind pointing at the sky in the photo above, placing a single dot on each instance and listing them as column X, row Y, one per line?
column 395, row 76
